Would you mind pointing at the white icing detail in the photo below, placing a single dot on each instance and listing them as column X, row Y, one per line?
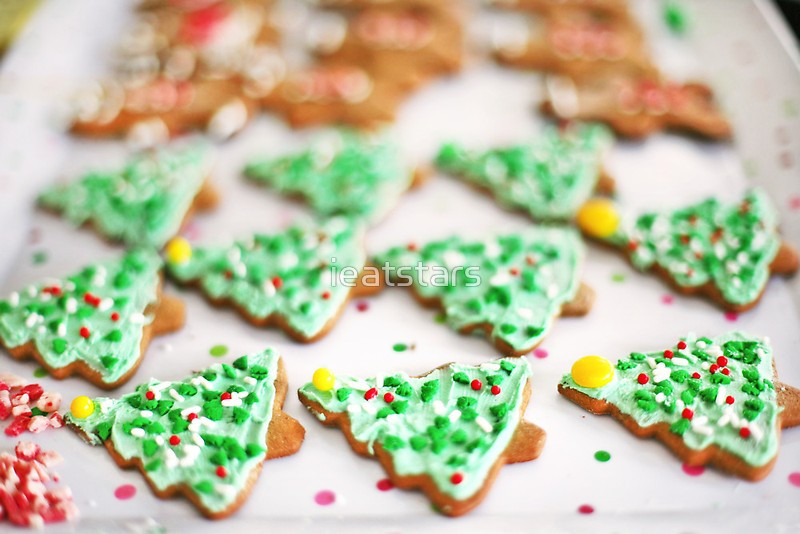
column 13, row 299
column 485, row 425
column 249, row 380
column 563, row 96
column 148, row 133
column 146, row 413
column 454, row 416
column 137, row 432
column 198, row 440
column 71, row 305
column 175, row 395
column 228, row 119
column 680, row 361
column 171, row 459
column 660, row 397
column 438, row 407
column 651, row 362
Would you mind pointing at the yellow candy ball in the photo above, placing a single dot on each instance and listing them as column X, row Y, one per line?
column 81, row 407
column 598, row 218
column 592, row 372
column 178, row 250
column 323, row 379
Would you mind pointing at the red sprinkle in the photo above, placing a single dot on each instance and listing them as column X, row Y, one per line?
column 371, row 394
column 643, row 378
column 221, row 472
column 115, row 317
column 150, row 395
column 90, row 299
column 84, row 332
column 388, row 397
column 729, row 399
column 457, row 478
column 326, row 295
column 695, row 375
column 277, row 282
column 632, row 246
column 744, row 432
column 530, row 260
column 476, row 384
column 722, row 361
column 191, row 417
column 514, row 271
column 228, row 275
column 713, row 369
column 495, row 390
column 687, row 414
column 412, row 247
column 174, row 440
column 668, row 354
column 681, row 345
column 225, row 396
column 725, row 371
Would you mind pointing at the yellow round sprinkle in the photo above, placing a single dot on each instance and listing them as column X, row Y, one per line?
column 81, row 407
column 178, row 250
column 592, row 372
column 323, row 379
column 598, row 217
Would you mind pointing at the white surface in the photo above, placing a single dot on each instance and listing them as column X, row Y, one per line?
column 642, row 487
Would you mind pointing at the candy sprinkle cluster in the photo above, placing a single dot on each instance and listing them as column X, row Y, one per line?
column 31, row 408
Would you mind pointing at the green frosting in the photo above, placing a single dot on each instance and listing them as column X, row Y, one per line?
column 233, row 405
column 293, row 274
column 731, row 246
column 344, row 174
column 436, row 425
column 694, row 379
column 522, row 280
column 549, row 178
column 142, row 204
column 105, row 302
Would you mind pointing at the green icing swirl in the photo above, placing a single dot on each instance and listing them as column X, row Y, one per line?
column 671, row 388
column 292, row 274
column 525, row 278
column 436, row 425
column 229, row 433
column 731, row 246
column 345, row 174
column 144, row 203
column 549, row 178
column 51, row 314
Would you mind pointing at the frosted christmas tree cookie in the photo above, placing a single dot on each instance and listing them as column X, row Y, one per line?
column 446, row 433
column 724, row 251
column 96, row 323
column 205, row 437
column 710, row 401
column 509, row 287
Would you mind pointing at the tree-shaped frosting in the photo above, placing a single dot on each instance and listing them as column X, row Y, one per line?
column 342, row 174
column 728, row 245
column 144, row 203
column 291, row 277
column 206, row 434
column 709, row 391
column 549, row 178
column 451, row 425
column 513, row 286
column 94, row 318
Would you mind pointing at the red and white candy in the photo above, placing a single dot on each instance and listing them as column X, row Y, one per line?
column 18, row 399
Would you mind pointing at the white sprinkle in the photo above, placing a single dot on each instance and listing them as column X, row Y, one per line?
column 194, row 426
column 454, row 415
column 137, row 318
column 724, row 420
column 172, row 459
column 175, row 395
column 159, row 441
column 44, row 297
column 525, row 313
column 705, row 365
column 714, row 350
column 489, row 366
column 701, row 344
column 705, row 430
column 206, row 422
column 146, row 413
column 485, row 425
column 190, row 409
column 679, row 405
column 660, row 397
column 32, row 320
column 680, row 361
column 250, row 380
column 32, row 291
column 500, row 279
column 197, row 439
column 756, row 432
column 105, row 304
column 228, row 491
column 229, row 403
column 269, row 288
column 700, row 420
column 200, row 381
column 320, row 416
column 13, row 299
column 651, row 362
column 720, row 395
column 438, row 407
column 106, row 405
column 42, row 329
column 137, row 432
column 62, row 329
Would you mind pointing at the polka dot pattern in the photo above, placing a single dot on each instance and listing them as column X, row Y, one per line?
column 325, row 498
column 125, row 492
column 218, row 350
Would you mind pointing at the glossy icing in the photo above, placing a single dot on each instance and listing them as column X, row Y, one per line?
column 524, row 279
column 232, row 407
column 95, row 316
column 292, row 274
column 549, row 178
column 438, row 425
column 143, row 203
column 733, row 406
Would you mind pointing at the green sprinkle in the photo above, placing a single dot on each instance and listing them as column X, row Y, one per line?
column 218, row 350
column 59, row 345
column 228, row 370
column 114, row 335
column 617, row 277
column 241, row 363
column 343, row 393
column 384, row 412
column 393, row 443
column 205, row 487
column 602, row 456
column 40, row 372
column 399, row 347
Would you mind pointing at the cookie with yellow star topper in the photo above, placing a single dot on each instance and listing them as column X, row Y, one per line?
column 724, row 251
column 711, row 401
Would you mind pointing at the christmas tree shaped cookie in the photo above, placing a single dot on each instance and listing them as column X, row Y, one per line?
column 724, row 251
column 711, row 401
column 343, row 174
column 205, row 437
column 510, row 287
column 145, row 202
column 549, row 178
column 96, row 323
column 446, row 433
column 299, row 279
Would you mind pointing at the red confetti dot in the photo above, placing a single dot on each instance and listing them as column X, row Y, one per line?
column 713, row 369
column 632, row 246
column 586, row 509
column 388, row 397
column 221, row 472
column 115, row 317
column 411, row 246
column 731, row 316
column 744, row 432
column 384, row 484
column 371, row 394
column 726, row 371
column 540, row 353
column 687, row 413
column 150, row 395
column 191, row 417
column 125, row 492
column 514, row 271
column 362, row 305
column 326, row 295
column 228, row 275
column 722, row 361
column 457, row 478
column 643, row 378
column 695, row 375
column 668, row 354
column 667, row 299
column 225, row 396
column 495, row 390
column 794, row 479
column 325, row 497
column 693, row 470
column 84, row 332
column 277, row 282
column 729, row 399
column 681, row 345
column 476, row 385
column 174, row 440
column 530, row 260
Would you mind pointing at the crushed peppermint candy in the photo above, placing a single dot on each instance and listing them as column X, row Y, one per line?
column 28, row 405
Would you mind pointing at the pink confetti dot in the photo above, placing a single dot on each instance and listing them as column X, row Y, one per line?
column 362, row 305
column 125, row 492
column 693, row 470
column 794, row 202
column 540, row 353
column 786, row 160
column 586, row 509
column 325, row 497
column 794, row 479
column 667, row 299
column 384, row 484
column 731, row 316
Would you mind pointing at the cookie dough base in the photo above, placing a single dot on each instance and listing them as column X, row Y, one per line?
column 169, row 316
column 788, row 398
column 284, row 437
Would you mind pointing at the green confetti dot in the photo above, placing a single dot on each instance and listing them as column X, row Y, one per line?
column 39, row 257
column 218, row 350
column 40, row 372
column 617, row 277
column 440, row 318
column 675, row 17
column 602, row 456
column 399, row 347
